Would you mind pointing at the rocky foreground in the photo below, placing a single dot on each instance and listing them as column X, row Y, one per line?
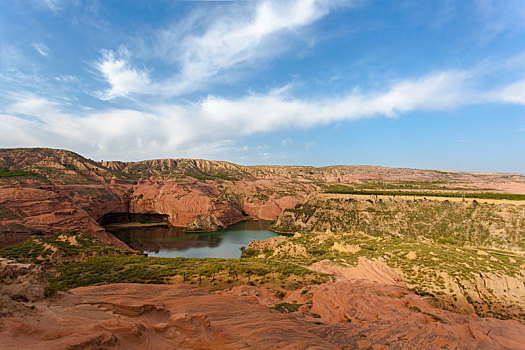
column 344, row 314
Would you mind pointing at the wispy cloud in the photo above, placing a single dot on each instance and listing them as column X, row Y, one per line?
column 32, row 105
column 226, row 43
column 41, row 48
column 66, row 78
column 207, row 46
column 500, row 17
column 53, row 5
column 168, row 129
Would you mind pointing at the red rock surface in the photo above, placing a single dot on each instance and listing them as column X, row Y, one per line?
column 34, row 206
column 374, row 271
column 349, row 314
column 55, row 209
column 133, row 316
column 183, row 202
column 368, row 314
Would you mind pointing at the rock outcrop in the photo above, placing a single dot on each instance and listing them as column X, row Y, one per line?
column 366, row 314
column 205, row 223
column 356, row 314
column 134, row 316
column 492, row 223
column 59, row 208
column 374, row 271
column 189, row 203
column 26, row 282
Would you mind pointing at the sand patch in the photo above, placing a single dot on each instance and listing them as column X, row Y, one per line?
column 411, row 256
column 346, row 248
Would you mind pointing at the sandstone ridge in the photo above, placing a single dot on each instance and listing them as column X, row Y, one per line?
column 48, row 190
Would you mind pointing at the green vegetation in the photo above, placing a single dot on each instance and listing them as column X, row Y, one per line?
column 206, row 176
column 28, row 251
column 342, row 189
column 411, row 185
column 207, row 272
column 444, row 222
column 287, row 307
column 15, row 173
column 58, row 249
column 78, row 259
column 226, row 177
column 428, row 268
column 201, row 176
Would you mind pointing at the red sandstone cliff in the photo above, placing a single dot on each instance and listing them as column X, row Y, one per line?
column 59, row 190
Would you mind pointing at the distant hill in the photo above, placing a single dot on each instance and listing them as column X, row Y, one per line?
column 68, row 167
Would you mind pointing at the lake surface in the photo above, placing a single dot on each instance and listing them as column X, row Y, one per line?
column 171, row 242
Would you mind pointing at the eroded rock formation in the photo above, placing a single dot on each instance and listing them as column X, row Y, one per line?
column 356, row 314
column 19, row 281
column 58, row 190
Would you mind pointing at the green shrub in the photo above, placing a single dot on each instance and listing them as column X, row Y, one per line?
column 341, row 189
column 287, row 307
column 13, row 173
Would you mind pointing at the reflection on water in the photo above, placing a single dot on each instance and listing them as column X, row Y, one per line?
column 172, row 242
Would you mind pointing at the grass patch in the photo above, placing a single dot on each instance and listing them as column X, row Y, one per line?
column 16, row 173
column 287, row 307
column 202, row 176
column 226, row 177
column 212, row 273
column 342, row 189
column 58, row 249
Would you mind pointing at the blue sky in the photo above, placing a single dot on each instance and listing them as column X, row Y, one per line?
column 433, row 85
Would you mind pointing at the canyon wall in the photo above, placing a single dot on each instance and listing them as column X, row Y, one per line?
column 490, row 223
column 47, row 190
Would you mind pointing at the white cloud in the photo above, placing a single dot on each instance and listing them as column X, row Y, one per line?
column 31, row 105
column 256, row 113
column 213, row 46
column 169, row 129
column 41, row 48
column 513, row 93
column 204, row 47
column 123, row 79
column 208, row 125
column 66, row 78
column 228, row 43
